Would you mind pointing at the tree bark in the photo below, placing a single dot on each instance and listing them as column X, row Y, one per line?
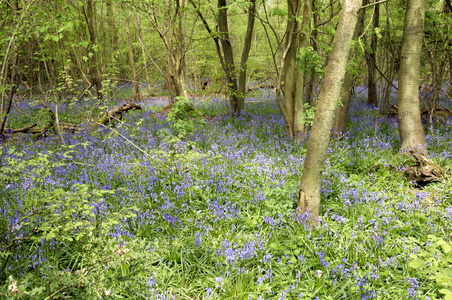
column 143, row 50
column 223, row 33
column 290, row 63
column 245, row 55
column 11, row 84
column 310, row 95
column 236, row 90
column 340, row 118
column 114, row 38
column 309, row 195
column 180, row 51
column 136, row 92
column 95, row 77
column 410, row 125
column 371, row 58
column 299, row 128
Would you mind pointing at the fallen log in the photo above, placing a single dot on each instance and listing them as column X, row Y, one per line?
column 116, row 112
column 394, row 111
column 112, row 115
column 262, row 86
column 424, row 171
column 19, row 130
column 70, row 128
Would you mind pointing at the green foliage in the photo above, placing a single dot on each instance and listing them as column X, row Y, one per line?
column 276, row 11
column 433, row 262
column 309, row 61
column 183, row 119
column 308, row 115
column 277, row 204
column 64, row 226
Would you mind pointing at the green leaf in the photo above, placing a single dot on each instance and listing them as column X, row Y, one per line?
column 416, row 263
column 277, row 12
column 445, row 292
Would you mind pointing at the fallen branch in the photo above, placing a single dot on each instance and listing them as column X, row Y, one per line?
column 262, row 86
column 20, row 130
column 394, row 111
column 121, row 135
column 116, row 112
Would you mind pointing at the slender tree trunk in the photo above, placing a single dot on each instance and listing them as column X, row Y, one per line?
column 11, row 84
column 341, row 115
column 143, row 50
column 409, row 115
column 309, row 196
column 245, row 55
column 180, row 51
column 371, row 59
column 290, row 63
column 448, row 8
column 299, row 129
column 114, row 38
column 223, row 33
column 136, row 92
column 311, row 84
column 95, row 77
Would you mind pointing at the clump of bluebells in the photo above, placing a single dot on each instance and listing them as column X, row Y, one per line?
column 111, row 216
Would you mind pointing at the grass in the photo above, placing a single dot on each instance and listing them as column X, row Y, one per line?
column 212, row 215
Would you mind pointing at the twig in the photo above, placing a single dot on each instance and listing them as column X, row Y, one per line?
column 57, row 125
column 337, row 157
column 414, row 296
column 375, row 3
column 56, row 292
column 4, row 265
column 121, row 135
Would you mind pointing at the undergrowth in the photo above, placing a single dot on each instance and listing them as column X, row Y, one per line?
column 200, row 210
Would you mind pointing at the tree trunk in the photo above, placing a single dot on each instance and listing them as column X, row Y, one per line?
column 143, row 50
column 299, row 129
column 310, row 95
column 341, row 115
column 245, row 55
column 95, row 77
column 290, row 63
column 136, row 92
column 309, row 195
column 10, row 86
column 180, row 51
column 371, row 58
column 448, row 8
column 409, row 115
column 114, row 38
column 223, row 33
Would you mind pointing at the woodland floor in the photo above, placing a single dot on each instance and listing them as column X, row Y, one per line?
column 133, row 212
